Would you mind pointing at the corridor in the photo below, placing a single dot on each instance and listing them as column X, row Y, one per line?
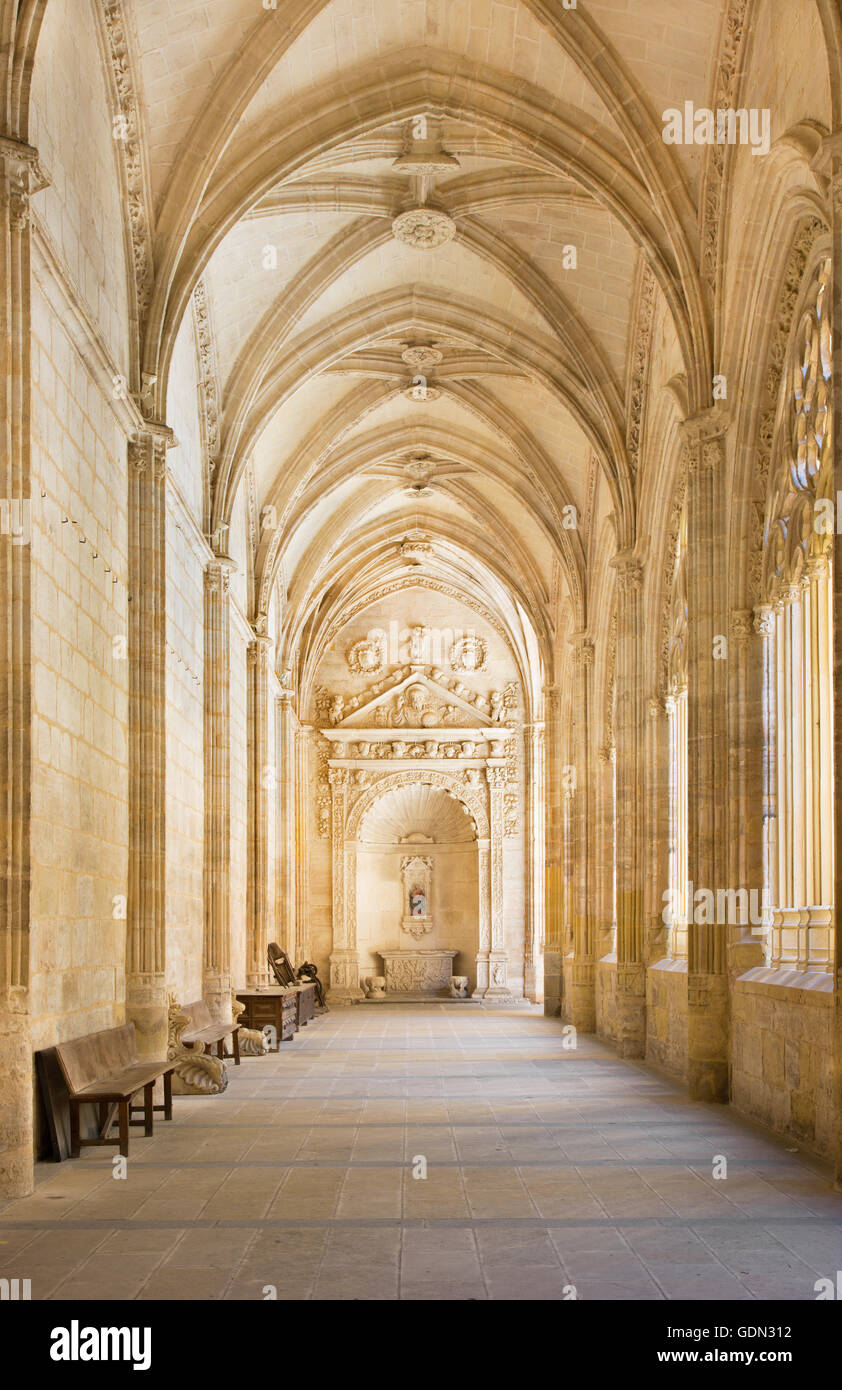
column 551, row 1173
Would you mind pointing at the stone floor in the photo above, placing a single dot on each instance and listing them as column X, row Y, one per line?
column 548, row 1171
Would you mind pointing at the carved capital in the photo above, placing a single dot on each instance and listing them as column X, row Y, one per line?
column 764, row 620
column 706, row 427
column 147, row 450
column 259, row 651
column 496, row 778
column 338, row 777
column 741, row 627
column 25, row 175
column 629, row 571
column 218, row 575
column 582, row 648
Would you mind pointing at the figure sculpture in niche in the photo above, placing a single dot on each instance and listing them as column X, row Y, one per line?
column 417, row 901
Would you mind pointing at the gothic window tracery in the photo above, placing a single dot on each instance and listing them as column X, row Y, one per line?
column 796, row 621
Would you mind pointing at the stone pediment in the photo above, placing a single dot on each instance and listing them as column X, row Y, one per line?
column 418, row 698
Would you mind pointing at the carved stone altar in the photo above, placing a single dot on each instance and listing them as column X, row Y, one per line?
column 423, row 973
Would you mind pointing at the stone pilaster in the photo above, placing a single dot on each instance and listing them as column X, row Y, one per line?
column 261, row 789
column 579, row 993
column 146, row 995
column 344, row 958
column 658, row 826
column 287, row 744
column 533, row 984
column 20, row 176
column 834, row 144
column 301, row 844
column 554, row 828
column 630, row 858
column 498, row 959
column 745, row 779
column 217, row 981
column 708, row 1024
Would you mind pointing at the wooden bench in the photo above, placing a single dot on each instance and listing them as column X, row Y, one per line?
column 104, row 1069
column 204, row 1028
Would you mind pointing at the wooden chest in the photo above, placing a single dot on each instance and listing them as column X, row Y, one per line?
column 274, row 1006
column 306, row 1004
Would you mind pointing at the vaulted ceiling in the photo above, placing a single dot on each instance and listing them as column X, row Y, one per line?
column 419, row 228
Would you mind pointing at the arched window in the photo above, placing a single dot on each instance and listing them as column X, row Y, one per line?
column 797, row 622
column 676, row 706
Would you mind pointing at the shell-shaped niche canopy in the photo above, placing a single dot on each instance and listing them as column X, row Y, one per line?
column 417, row 810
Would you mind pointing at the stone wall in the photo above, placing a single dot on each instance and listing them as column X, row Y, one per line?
column 80, row 699
column 782, row 1055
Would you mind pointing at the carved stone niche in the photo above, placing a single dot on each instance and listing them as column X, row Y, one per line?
column 417, row 880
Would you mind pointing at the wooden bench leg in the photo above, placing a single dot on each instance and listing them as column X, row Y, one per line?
column 168, row 1095
column 220, row 1048
column 75, row 1147
column 147, row 1108
column 235, row 1039
column 124, row 1128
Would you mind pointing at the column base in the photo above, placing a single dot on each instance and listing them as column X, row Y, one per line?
column 708, row 1037
column 345, row 987
column 553, row 983
column 17, row 1160
column 146, row 1008
column 217, row 990
column 580, row 995
column 631, row 1010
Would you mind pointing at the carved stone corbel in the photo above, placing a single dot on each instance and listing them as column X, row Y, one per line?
column 197, row 1072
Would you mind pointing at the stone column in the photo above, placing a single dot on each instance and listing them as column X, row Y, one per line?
column 745, row 781
column 534, row 793
column 484, row 909
column 834, row 147
column 287, row 805
column 554, row 894
column 580, row 997
column 217, row 983
column 630, row 857
column 301, row 844
column 20, row 176
column 344, row 958
column 658, row 827
column 146, row 995
column 261, row 789
column 708, row 1007
column 498, row 956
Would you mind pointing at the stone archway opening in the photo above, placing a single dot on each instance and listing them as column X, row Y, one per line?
column 418, row 890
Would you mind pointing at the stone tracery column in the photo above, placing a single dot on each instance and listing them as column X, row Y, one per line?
column 146, row 1001
column 261, row 788
column 707, row 754
column 20, row 176
column 580, row 998
column 301, row 843
column 498, row 957
column 484, row 908
column 287, row 773
column 834, row 146
column 745, row 776
column 535, row 850
column 630, row 858
column 554, row 839
column 344, row 958
column 217, row 983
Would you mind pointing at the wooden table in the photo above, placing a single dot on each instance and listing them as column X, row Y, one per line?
column 274, row 1005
